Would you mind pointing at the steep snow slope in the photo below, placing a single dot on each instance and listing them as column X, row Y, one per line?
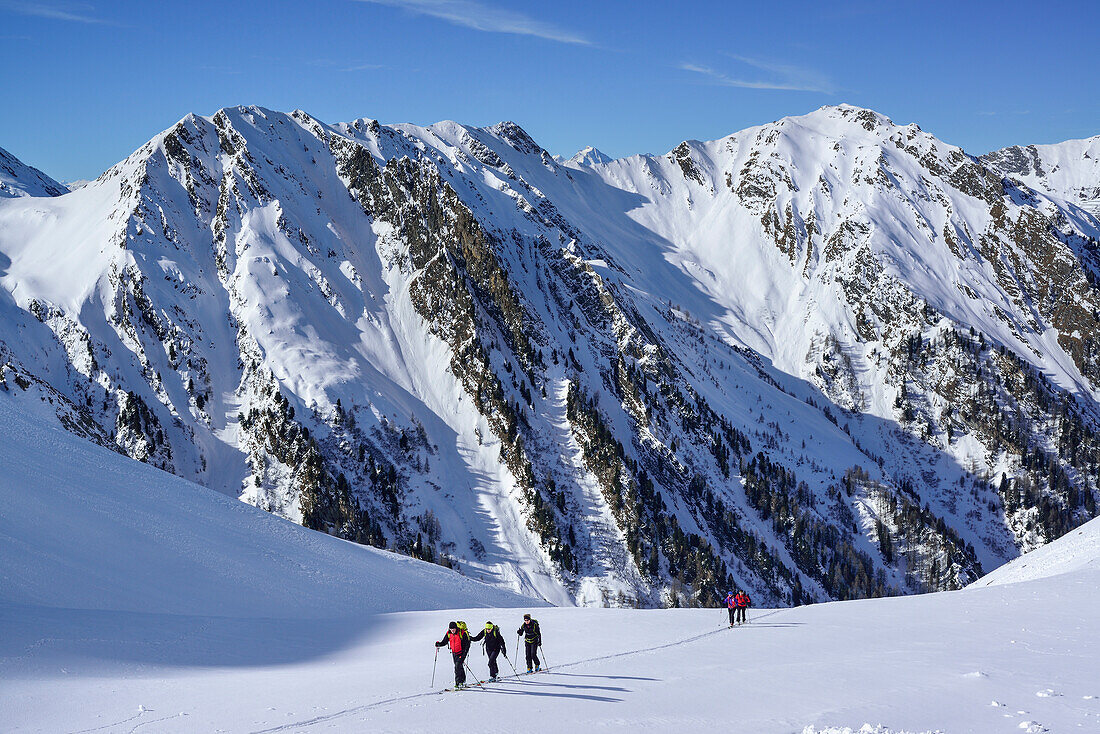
column 828, row 357
column 82, row 529
column 19, row 179
column 1069, row 170
column 982, row 660
column 1074, row 551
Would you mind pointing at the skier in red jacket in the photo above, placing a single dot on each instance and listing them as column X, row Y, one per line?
column 731, row 605
column 742, row 602
column 457, row 640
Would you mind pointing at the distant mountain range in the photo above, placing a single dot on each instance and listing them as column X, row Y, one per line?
column 823, row 358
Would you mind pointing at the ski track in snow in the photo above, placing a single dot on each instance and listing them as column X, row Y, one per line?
column 830, row 667
column 119, row 583
column 565, row 666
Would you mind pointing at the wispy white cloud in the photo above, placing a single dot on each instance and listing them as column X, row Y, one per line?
column 364, row 67
column 787, row 77
column 811, row 80
column 482, row 17
column 220, row 69
column 74, row 13
column 345, row 65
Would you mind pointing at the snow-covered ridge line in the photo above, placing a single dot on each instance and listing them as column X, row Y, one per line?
column 1073, row 552
column 1070, row 170
column 19, row 179
column 826, row 357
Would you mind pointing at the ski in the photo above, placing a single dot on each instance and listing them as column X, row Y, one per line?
column 470, row 687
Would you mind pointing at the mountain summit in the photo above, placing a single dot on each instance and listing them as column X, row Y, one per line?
column 823, row 358
column 589, row 156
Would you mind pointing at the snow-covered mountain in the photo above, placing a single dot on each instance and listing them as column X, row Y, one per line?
column 823, row 358
column 19, row 179
column 589, row 156
column 1070, row 170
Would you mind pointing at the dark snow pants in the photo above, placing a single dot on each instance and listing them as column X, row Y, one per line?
column 733, row 617
column 493, row 670
column 460, row 668
column 532, row 650
column 741, row 614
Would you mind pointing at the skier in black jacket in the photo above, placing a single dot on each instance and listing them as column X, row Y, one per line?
column 494, row 645
column 457, row 640
column 532, row 638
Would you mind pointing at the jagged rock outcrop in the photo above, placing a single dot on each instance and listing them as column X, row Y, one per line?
column 824, row 358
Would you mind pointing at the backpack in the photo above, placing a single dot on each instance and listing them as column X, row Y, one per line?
column 458, row 641
column 493, row 637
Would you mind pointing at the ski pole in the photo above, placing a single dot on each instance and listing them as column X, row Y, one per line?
column 478, row 681
column 511, row 666
column 544, row 660
column 433, row 666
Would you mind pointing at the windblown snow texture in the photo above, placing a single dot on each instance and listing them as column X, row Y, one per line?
column 825, row 358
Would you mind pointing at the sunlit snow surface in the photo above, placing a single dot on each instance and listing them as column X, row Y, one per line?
column 313, row 290
column 131, row 600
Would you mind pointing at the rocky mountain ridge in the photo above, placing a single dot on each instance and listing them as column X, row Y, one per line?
column 19, row 179
column 822, row 358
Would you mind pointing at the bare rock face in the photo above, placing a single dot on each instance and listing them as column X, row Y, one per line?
column 826, row 358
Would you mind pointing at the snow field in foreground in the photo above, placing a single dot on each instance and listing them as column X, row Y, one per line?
column 134, row 601
column 1010, row 658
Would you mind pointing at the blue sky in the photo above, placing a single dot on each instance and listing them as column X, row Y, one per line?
column 84, row 84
